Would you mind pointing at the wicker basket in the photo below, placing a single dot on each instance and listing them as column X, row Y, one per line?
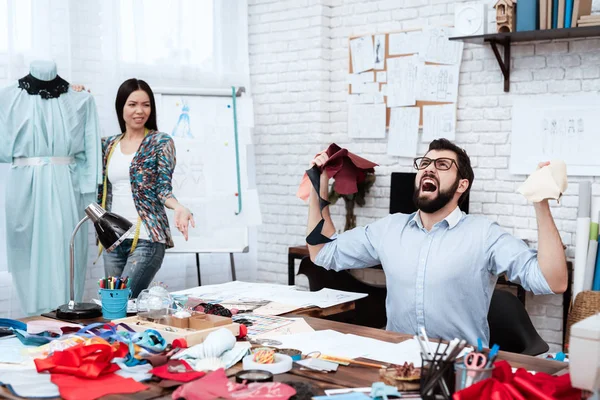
column 586, row 304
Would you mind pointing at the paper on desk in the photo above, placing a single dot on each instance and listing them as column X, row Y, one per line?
column 239, row 292
column 328, row 342
column 399, row 353
column 298, row 326
column 274, row 308
column 323, row 298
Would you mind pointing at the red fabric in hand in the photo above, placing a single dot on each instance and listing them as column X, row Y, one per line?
column 87, row 361
column 164, row 373
column 522, row 385
column 346, row 168
column 76, row 388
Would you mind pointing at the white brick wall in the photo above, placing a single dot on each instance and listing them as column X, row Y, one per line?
column 300, row 113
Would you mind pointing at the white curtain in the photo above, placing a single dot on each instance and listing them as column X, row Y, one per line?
column 100, row 43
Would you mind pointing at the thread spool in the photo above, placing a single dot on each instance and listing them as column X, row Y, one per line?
column 281, row 365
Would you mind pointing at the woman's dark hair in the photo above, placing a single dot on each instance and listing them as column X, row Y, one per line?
column 465, row 170
column 128, row 87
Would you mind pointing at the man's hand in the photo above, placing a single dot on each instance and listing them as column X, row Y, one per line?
column 543, row 164
column 319, row 160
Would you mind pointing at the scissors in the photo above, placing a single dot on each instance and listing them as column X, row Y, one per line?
column 474, row 362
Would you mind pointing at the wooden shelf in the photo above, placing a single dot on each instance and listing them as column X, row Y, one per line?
column 505, row 40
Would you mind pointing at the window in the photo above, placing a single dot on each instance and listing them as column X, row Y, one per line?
column 162, row 32
column 15, row 23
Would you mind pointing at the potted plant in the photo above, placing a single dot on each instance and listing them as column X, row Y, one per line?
column 352, row 200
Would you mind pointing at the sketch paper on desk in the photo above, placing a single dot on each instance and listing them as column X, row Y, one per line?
column 240, row 292
column 555, row 127
column 403, row 131
column 298, row 326
column 439, row 121
column 262, row 323
column 436, row 48
column 404, row 43
column 379, row 51
column 399, row 353
column 402, row 78
column 274, row 308
column 329, row 342
column 366, row 121
column 438, row 83
column 361, row 51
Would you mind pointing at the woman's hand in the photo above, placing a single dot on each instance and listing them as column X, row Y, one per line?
column 183, row 217
column 79, row 88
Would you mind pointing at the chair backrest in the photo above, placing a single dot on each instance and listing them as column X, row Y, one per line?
column 369, row 311
column 511, row 327
column 402, row 187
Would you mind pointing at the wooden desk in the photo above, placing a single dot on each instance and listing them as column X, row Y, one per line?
column 351, row 376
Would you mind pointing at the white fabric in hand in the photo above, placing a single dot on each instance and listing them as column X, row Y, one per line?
column 548, row 182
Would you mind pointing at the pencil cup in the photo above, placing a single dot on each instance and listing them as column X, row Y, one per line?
column 466, row 377
column 437, row 380
column 114, row 302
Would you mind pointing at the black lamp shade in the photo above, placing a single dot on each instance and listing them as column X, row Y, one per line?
column 111, row 228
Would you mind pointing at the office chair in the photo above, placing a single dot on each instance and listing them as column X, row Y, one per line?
column 368, row 311
column 511, row 327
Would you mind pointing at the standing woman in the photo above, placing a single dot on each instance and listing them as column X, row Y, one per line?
column 137, row 170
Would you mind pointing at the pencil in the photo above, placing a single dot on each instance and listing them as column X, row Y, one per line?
column 341, row 360
column 366, row 364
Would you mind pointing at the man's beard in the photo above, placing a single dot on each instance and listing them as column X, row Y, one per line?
column 443, row 197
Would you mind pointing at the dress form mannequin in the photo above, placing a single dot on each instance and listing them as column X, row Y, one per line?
column 52, row 139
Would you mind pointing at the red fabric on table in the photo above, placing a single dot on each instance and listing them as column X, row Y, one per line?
column 88, row 361
column 216, row 385
column 522, row 385
column 76, row 388
column 163, row 372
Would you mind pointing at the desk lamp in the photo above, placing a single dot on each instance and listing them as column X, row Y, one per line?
column 112, row 229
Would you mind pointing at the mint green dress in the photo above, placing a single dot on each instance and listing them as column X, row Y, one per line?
column 46, row 199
